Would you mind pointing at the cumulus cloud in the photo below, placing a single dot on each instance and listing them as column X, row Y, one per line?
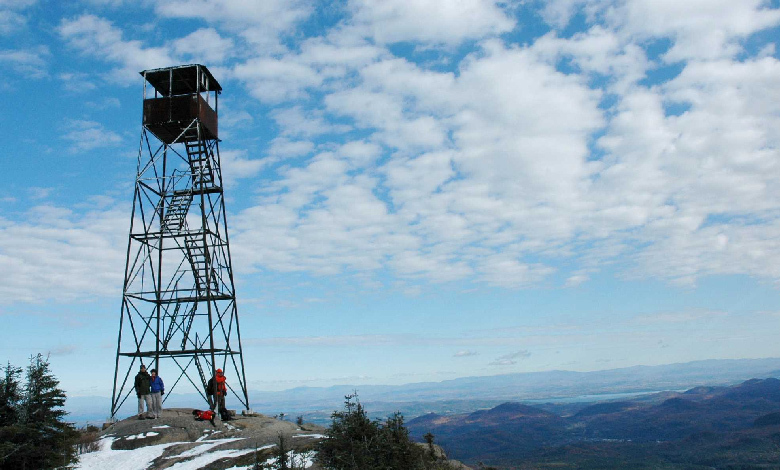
column 30, row 63
column 235, row 165
column 204, row 46
column 258, row 22
column 510, row 164
column 275, row 80
column 700, row 29
column 89, row 135
column 310, row 123
column 55, row 253
column 94, row 35
column 390, row 21
column 12, row 15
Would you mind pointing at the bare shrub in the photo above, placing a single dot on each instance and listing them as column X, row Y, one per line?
column 88, row 440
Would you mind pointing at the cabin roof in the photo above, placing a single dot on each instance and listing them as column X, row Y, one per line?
column 180, row 80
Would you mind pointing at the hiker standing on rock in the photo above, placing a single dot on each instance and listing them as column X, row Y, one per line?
column 218, row 388
column 158, row 390
column 143, row 389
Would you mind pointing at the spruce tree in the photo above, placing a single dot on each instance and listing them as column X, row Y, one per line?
column 351, row 438
column 355, row 442
column 39, row 437
column 10, row 403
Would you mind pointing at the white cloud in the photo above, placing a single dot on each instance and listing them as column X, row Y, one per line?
column 700, row 29
column 10, row 22
column 97, row 36
column 297, row 122
column 54, row 253
column 430, row 21
column 30, row 63
column 12, row 18
column 282, row 148
column 39, row 193
column 576, row 280
column 277, row 80
column 518, row 158
column 258, row 22
column 599, row 52
column 465, row 353
column 204, row 46
column 511, row 358
column 89, row 135
column 235, row 165
column 76, row 82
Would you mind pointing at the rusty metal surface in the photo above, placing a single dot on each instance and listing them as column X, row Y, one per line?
column 168, row 117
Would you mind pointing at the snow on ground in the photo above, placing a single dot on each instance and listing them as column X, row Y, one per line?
column 200, row 449
column 138, row 459
column 205, row 459
column 313, row 436
column 143, row 435
column 142, row 458
column 161, row 427
column 249, row 467
column 206, row 434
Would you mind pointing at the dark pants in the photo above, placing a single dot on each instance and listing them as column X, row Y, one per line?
column 219, row 402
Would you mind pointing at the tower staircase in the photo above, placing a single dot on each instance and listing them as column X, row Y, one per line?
column 200, row 164
column 201, row 270
column 176, row 212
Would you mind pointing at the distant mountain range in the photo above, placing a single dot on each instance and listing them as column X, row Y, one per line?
column 704, row 427
column 472, row 393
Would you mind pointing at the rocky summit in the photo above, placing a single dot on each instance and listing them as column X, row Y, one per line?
column 177, row 441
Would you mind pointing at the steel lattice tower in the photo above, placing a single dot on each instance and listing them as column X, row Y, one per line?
column 179, row 310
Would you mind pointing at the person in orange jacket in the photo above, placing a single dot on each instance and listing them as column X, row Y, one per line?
column 217, row 387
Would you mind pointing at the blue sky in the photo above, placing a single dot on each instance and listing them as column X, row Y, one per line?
column 416, row 190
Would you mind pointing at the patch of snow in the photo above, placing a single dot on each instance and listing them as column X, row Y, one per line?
column 206, row 434
column 106, row 442
column 161, row 427
column 313, row 436
column 205, row 459
column 200, row 449
column 138, row 459
column 142, row 435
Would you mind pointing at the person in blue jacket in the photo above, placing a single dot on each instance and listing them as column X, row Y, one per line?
column 158, row 390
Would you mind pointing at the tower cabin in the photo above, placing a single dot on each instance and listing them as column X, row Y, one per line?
column 179, row 97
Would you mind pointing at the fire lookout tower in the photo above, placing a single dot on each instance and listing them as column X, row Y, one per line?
column 179, row 312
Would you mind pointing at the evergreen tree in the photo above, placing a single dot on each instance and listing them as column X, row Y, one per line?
column 350, row 438
column 10, row 403
column 354, row 442
column 39, row 437
column 10, row 393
